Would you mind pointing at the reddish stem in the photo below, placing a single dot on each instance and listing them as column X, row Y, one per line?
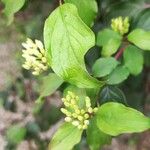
column 119, row 53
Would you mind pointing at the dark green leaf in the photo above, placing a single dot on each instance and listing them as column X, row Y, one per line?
column 109, row 40
column 112, row 93
column 140, row 38
column 11, row 7
column 143, row 20
column 65, row 138
column 67, row 39
column 147, row 58
column 87, row 10
column 104, row 66
column 95, row 137
column 129, row 8
column 118, row 75
column 133, row 59
column 114, row 119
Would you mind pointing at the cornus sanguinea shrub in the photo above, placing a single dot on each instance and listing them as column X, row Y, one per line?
column 67, row 38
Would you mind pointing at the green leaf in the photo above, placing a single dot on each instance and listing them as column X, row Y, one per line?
column 140, row 38
column 49, row 85
column 15, row 134
column 104, row 66
column 146, row 59
column 109, row 40
column 11, row 7
column 95, row 137
column 143, row 20
column 67, row 39
column 114, row 119
column 65, row 138
column 112, row 93
column 133, row 59
column 129, row 8
column 118, row 75
column 87, row 10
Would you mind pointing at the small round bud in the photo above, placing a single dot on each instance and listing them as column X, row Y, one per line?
column 87, row 102
column 68, row 119
column 86, row 116
column 79, row 126
column 74, row 115
column 75, row 123
column 86, row 122
column 66, row 104
column 80, row 118
column 84, row 127
column 90, row 110
column 77, row 111
column 82, row 111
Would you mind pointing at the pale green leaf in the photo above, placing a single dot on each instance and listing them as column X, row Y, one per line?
column 49, row 85
column 104, row 66
column 109, row 40
column 140, row 38
column 115, row 118
column 133, row 59
column 67, row 39
column 87, row 9
column 11, row 7
column 118, row 75
column 95, row 137
column 65, row 138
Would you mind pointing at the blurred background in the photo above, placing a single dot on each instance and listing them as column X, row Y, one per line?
column 25, row 125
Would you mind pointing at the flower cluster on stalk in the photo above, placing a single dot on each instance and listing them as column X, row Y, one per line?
column 35, row 56
column 120, row 25
column 76, row 113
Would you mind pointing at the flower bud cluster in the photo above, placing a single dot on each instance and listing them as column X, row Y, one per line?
column 120, row 25
column 35, row 56
column 75, row 113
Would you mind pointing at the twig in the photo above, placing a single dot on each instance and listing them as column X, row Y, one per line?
column 119, row 53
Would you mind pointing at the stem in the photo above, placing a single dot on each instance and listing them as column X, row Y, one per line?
column 119, row 53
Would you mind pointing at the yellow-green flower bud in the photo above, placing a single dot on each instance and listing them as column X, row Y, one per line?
column 35, row 55
column 77, row 111
column 66, row 104
column 84, row 126
column 86, row 116
column 78, row 115
column 80, row 118
column 120, row 25
column 74, row 115
column 86, row 122
column 68, row 119
column 88, row 102
column 90, row 110
column 75, row 123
